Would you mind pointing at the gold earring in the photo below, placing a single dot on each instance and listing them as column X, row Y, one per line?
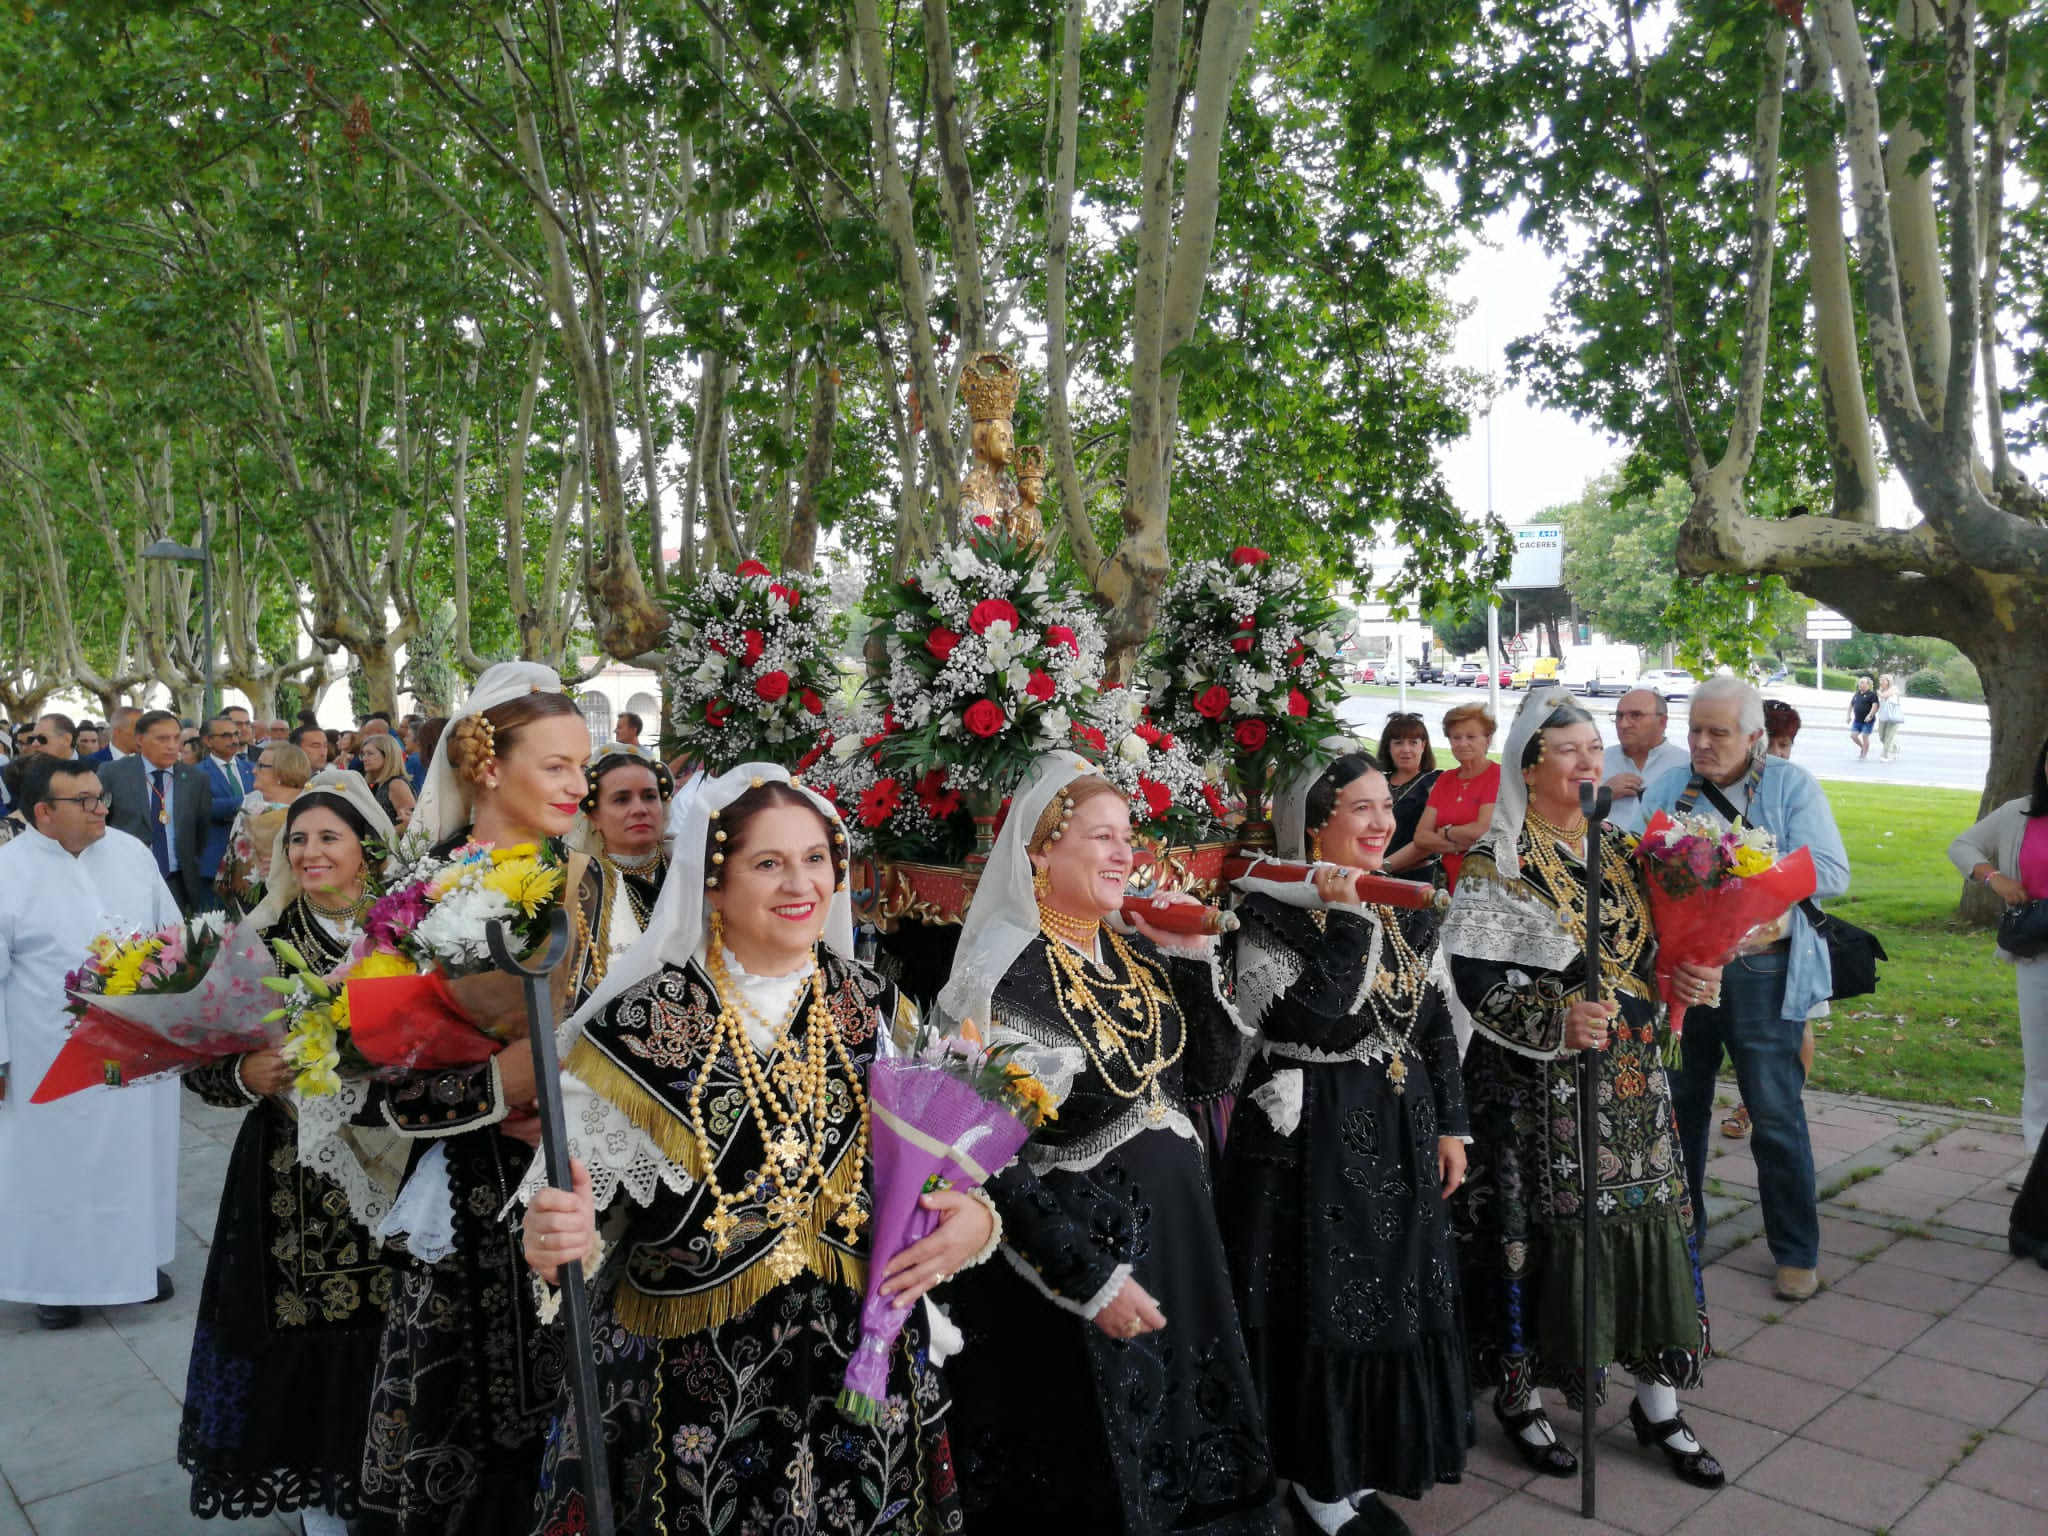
column 717, row 929
column 1041, row 883
column 1315, row 847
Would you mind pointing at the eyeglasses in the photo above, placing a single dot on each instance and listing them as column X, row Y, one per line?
column 37, row 741
column 83, row 802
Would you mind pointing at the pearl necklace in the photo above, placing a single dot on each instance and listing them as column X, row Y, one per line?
column 1100, row 1027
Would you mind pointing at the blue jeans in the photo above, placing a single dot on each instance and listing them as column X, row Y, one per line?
column 1765, row 1051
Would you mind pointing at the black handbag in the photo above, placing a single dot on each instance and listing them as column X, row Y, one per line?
column 1853, row 952
column 2023, row 931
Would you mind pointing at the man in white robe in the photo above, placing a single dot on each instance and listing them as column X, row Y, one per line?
column 89, row 1183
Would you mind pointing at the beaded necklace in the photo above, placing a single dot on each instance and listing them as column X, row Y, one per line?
column 310, row 938
column 1394, row 999
column 1626, row 933
column 1098, row 1022
column 789, row 1105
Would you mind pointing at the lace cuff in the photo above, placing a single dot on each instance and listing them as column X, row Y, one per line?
column 1280, row 1097
column 548, row 1296
column 617, row 1152
column 1092, row 1307
column 981, row 1198
column 367, row 1164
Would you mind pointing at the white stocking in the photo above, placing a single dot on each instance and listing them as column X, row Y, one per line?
column 1330, row 1517
column 320, row 1522
column 1660, row 1406
column 1540, row 1432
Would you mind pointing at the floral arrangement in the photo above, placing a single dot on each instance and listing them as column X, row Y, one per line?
column 389, row 1005
column 149, row 1004
column 946, row 1115
column 1712, row 889
column 1245, row 670
column 750, row 666
column 1175, row 798
column 887, row 813
column 992, row 658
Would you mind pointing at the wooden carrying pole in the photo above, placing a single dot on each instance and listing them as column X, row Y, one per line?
column 1595, row 805
column 554, row 1141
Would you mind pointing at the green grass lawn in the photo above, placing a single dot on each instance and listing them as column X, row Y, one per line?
column 1942, row 1027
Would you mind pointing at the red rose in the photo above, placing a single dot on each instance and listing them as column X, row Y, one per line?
column 813, row 705
column 1147, row 732
column 717, row 647
column 984, row 717
column 1213, row 702
column 717, row 712
column 754, row 647
column 1093, row 737
column 940, row 642
column 1214, row 796
column 1245, row 554
column 983, row 520
column 1158, row 798
column 1297, row 656
column 879, row 803
column 753, row 568
column 1251, row 734
column 1243, row 643
column 1061, row 636
column 789, row 595
column 1040, row 687
column 992, row 610
column 1297, row 703
column 772, row 686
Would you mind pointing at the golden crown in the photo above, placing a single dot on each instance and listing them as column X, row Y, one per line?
column 990, row 385
column 1031, row 462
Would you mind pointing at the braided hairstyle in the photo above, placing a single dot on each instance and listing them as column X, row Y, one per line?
column 475, row 741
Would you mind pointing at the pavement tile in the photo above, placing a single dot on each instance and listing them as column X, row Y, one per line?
column 2030, row 1419
column 1736, row 1290
column 12, row 1521
column 1842, row 1234
column 1733, row 1169
column 1970, row 1397
column 2022, row 1275
column 1996, row 1350
column 1998, row 1306
column 1740, row 1510
column 1932, row 1176
column 1837, row 1483
column 1864, row 1322
column 1636, row 1489
column 1729, row 1329
column 1979, row 1216
column 154, row 1499
column 1952, row 1260
column 1953, row 1510
column 1446, row 1509
column 89, row 1434
column 1913, row 1289
column 1840, row 1139
column 1492, row 1458
column 1772, row 1398
column 1814, row 1355
column 1874, row 1197
column 1755, row 1259
column 1979, row 1152
column 1872, row 1427
column 2009, row 1468
column 1535, row 1517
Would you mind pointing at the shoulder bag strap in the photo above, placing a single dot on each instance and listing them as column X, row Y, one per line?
column 1721, row 803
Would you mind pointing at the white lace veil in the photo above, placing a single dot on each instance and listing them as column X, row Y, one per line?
column 1511, row 805
column 282, row 888
column 1002, row 920
column 676, row 926
column 444, row 804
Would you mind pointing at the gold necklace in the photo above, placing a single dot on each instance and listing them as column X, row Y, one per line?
column 1080, row 932
column 1100, row 1025
column 1626, row 933
column 1395, row 997
column 791, row 1113
column 348, row 912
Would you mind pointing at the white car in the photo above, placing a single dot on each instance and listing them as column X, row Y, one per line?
column 1669, row 682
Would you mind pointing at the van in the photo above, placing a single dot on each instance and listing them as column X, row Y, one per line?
column 1594, row 670
column 1542, row 669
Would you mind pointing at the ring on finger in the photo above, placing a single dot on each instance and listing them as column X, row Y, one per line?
column 1132, row 1328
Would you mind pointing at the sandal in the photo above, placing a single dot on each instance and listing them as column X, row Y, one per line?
column 1695, row 1467
column 1736, row 1126
column 1550, row 1458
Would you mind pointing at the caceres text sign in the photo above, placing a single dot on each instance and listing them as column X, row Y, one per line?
column 1538, row 559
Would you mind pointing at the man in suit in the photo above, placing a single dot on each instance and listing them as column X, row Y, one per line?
column 246, row 745
column 165, row 804
column 231, row 778
column 312, row 741
column 120, row 736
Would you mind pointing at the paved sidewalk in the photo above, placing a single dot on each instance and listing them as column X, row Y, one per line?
column 1910, row 1397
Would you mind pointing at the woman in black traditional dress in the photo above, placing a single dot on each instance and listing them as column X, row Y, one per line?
column 1348, row 1140
column 1515, row 939
column 467, row 1372
column 1105, row 1385
column 625, row 816
column 285, row 1343
column 729, row 1301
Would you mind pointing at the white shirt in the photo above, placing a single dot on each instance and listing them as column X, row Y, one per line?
column 88, row 1183
column 1665, row 755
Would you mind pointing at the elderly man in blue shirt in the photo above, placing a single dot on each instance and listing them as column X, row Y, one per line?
column 1760, row 1018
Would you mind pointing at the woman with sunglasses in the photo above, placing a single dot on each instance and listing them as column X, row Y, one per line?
column 1409, row 762
column 278, row 1388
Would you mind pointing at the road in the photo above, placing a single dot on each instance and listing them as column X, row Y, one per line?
column 1942, row 746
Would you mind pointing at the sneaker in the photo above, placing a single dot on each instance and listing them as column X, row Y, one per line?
column 1797, row 1284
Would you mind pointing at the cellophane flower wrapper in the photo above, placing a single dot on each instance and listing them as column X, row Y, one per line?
column 181, row 997
column 929, row 1128
column 1702, row 912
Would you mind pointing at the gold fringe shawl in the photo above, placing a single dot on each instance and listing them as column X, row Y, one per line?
column 674, row 1316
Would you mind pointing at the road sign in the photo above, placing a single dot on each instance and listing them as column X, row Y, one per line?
column 1826, row 624
column 1539, row 557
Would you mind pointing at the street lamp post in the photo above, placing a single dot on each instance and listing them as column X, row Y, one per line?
column 171, row 549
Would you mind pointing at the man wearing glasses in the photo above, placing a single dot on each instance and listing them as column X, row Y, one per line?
column 53, row 736
column 1639, row 753
column 164, row 803
column 231, row 778
column 88, row 1183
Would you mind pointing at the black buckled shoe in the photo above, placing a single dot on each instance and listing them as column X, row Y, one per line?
column 1549, row 1458
column 1374, row 1518
column 1696, row 1467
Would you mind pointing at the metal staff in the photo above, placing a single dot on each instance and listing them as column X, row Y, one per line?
column 554, row 1141
column 1594, row 806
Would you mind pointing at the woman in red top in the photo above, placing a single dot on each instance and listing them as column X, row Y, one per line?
column 1461, row 802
